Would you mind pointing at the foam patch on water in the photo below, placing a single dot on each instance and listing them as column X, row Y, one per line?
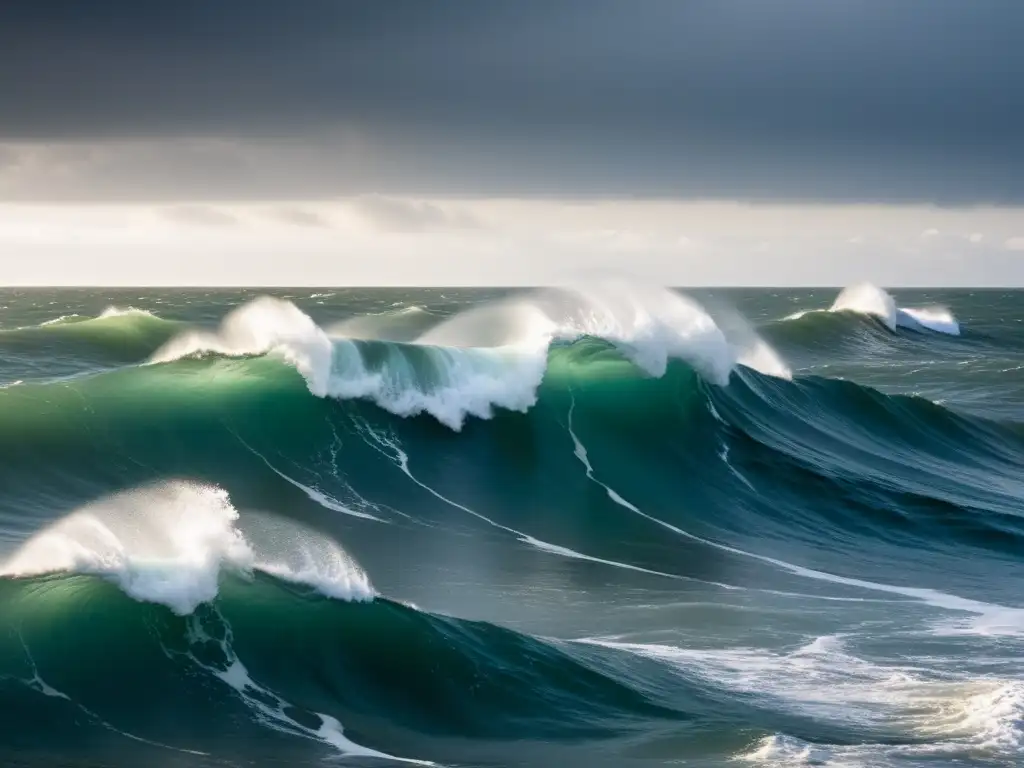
column 169, row 543
column 822, row 680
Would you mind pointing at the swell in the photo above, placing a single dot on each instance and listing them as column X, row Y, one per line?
column 896, row 468
column 864, row 324
column 271, row 669
column 869, row 300
column 260, row 653
column 840, row 330
column 899, row 465
column 268, row 672
column 68, row 346
column 274, row 627
column 110, row 328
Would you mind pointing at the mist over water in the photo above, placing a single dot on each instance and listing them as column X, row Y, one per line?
column 607, row 525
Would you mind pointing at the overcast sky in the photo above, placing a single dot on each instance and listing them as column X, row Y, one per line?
column 462, row 134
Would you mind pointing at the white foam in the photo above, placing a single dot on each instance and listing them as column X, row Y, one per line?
column 449, row 383
column 867, row 299
column 760, row 356
column 823, row 681
column 58, row 320
column 109, row 312
column 168, row 544
column 960, row 726
column 262, row 326
column 649, row 325
column 782, row 750
column 994, row 718
column 938, row 319
column 299, row 555
column 802, row 313
column 125, row 312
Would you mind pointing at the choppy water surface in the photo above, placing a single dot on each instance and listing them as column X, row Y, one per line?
column 608, row 526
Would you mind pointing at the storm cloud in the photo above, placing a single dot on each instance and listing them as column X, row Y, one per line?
column 800, row 100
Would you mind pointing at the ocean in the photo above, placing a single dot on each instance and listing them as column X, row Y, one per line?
column 611, row 525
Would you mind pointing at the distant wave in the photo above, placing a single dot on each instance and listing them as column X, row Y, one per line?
column 109, row 327
column 871, row 301
column 75, row 344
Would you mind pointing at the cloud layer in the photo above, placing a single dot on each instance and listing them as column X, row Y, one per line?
column 379, row 240
column 867, row 100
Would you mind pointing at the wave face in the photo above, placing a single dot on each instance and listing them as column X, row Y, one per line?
column 599, row 526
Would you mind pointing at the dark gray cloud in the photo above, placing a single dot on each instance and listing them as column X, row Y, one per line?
column 794, row 99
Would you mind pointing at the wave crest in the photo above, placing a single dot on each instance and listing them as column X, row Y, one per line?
column 168, row 543
column 938, row 319
column 487, row 357
column 869, row 300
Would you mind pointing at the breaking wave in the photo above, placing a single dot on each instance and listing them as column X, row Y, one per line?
column 871, row 301
column 169, row 543
column 494, row 356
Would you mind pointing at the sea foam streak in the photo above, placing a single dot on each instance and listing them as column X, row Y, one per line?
column 488, row 357
column 168, row 544
column 268, row 708
column 388, row 447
